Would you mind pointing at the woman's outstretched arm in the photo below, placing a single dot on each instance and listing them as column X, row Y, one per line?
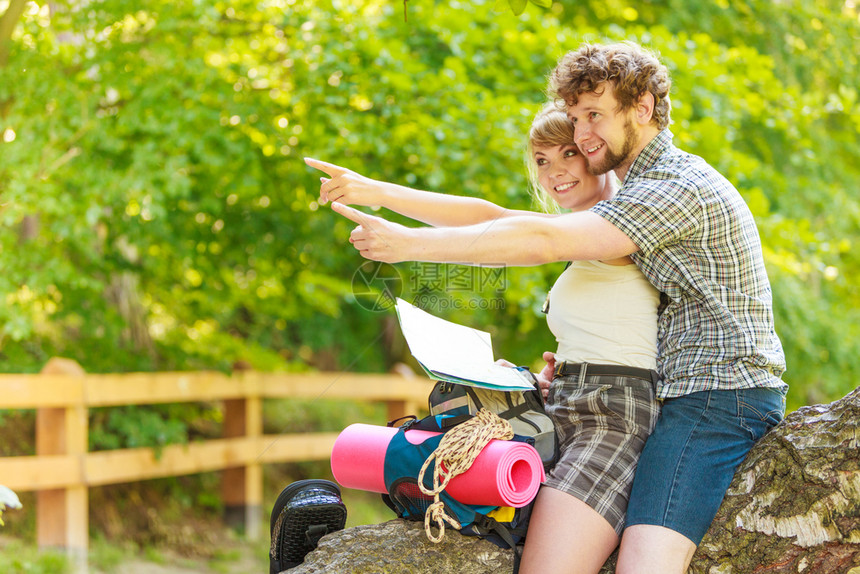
column 437, row 209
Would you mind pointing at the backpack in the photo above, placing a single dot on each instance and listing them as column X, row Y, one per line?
column 523, row 409
column 450, row 405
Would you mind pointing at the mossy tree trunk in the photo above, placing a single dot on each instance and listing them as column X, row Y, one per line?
column 794, row 504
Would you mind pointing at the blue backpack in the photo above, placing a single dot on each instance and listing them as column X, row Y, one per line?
column 451, row 405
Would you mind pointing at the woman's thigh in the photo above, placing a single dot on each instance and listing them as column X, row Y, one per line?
column 566, row 536
column 602, row 424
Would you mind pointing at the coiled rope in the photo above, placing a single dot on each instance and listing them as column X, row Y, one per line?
column 455, row 454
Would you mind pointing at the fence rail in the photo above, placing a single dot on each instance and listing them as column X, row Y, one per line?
column 63, row 469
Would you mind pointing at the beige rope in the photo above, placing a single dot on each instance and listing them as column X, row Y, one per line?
column 455, row 454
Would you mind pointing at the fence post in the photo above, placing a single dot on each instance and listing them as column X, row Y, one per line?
column 396, row 409
column 62, row 514
column 399, row 408
column 242, row 487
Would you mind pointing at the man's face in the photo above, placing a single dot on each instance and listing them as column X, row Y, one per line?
column 607, row 137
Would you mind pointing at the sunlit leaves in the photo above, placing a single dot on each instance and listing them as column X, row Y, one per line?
column 518, row 6
column 165, row 141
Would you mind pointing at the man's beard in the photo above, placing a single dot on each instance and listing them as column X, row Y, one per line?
column 612, row 159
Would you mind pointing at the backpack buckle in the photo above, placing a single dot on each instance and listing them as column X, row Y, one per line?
column 412, row 419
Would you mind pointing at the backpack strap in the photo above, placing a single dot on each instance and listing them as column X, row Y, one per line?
column 474, row 396
column 518, row 557
column 410, row 420
column 513, row 411
column 489, row 525
column 439, row 423
column 509, row 535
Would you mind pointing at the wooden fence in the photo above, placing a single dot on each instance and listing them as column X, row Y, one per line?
column 63, row 469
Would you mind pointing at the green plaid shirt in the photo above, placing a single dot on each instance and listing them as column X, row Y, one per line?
column 699, row 245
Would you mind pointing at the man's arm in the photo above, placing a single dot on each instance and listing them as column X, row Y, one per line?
column 520, row 240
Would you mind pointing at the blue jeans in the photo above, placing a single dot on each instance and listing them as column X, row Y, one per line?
column 690, row 458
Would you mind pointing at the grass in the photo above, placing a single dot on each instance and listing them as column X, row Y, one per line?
column 105, row 557
column 17, row 557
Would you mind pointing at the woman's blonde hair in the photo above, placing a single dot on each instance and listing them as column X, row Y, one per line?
column 550, row 128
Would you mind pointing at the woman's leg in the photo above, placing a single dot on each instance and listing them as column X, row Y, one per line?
column 566, row 536
column 602, row 424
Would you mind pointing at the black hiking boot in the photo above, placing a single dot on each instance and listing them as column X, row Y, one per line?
column 304, row 512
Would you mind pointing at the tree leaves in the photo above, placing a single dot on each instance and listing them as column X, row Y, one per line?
column 518, row 6
column 165, row 142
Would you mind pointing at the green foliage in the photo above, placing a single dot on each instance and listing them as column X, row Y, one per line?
column 106, row 556
column 156, row 212
column 19, row 559
column 294, row 416
column 151, row 426
column 519, row 6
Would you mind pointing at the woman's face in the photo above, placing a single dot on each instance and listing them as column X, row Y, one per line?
column 562, row 173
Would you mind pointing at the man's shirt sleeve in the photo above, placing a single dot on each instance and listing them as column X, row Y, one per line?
column 654, row 211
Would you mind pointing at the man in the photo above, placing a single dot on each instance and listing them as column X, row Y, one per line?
column 694, row 238
column 696, row 241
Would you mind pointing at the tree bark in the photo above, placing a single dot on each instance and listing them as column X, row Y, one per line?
column 124, row 293
column 793, row 506
column 7, row 26
column 794, row 503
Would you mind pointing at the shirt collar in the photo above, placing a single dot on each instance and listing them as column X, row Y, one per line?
column 649, row 154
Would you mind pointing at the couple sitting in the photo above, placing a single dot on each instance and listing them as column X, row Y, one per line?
column 666, row 276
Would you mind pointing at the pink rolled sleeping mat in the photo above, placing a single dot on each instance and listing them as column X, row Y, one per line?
column 506, row 473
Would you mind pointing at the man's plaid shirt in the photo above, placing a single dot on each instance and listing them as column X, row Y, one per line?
column 699, row 245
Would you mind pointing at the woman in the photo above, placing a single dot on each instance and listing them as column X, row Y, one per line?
column 604, row 316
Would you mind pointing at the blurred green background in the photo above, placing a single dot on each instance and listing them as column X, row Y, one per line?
column 157, row 215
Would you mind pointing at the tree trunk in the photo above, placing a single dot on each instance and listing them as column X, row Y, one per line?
column 7, row 25
column 794, row 503
column 123, row 292
column 793, row 506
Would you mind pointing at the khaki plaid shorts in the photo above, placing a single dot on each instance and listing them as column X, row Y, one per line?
column 602, row 422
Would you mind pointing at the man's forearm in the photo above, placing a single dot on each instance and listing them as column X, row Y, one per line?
column 518, row 240
column 521, row 241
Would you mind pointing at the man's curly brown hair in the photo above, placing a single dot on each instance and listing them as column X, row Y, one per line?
column 629, row 68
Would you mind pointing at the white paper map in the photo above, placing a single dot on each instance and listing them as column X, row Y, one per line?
column 456, row 353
